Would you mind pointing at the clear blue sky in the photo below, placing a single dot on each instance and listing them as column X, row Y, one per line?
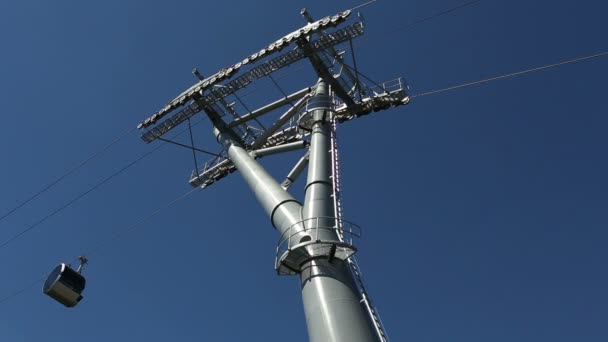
column 484, row 210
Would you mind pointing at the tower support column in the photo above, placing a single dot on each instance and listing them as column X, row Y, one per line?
column 332, row 303
column 284, row 211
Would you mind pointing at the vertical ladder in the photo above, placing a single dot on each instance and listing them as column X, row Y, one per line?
column 352, row 262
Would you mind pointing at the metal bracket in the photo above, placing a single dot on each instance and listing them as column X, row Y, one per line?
column 83, row 261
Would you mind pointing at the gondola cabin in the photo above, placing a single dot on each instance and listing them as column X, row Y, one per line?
column 65, row 285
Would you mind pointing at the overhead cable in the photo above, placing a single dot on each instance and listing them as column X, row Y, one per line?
column 81, row 195
column 513, row 74
column 363, row 5
column 400, row 28
column 97, row 248
column 433, row 16
column 144, row 219
column 66, row 174
column 169, row 204
column 75, row 199
column 23, row 289
column 422, row 20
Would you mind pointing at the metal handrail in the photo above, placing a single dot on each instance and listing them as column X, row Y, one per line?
column 389, row 86
column 208, row 165
column 348, row 229
column 316, row 102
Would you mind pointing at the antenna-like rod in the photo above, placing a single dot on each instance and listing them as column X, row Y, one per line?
column 83, row 261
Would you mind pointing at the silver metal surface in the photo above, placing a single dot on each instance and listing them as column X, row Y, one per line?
column 262, row 152
column 296, row 171
column 64, row 295
column 293, row 249
column 331, row 298
column 318, row 190
column 331, row 303
column 281, row 207
column 270, row 107
column 263, row 138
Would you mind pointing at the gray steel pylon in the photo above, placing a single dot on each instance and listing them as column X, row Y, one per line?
column 315, row 242
column 332, row 302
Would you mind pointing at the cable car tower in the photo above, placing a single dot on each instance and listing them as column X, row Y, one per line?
column 315, row 241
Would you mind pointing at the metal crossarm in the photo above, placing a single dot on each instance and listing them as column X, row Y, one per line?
column 379, row 97
column 323, row 66
column 211, row 173
column 171, row 122
column 226, row 73
column 265, row 69
column 218, row 168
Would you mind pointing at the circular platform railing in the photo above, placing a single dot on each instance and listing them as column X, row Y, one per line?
column 305, row 118
column 318, row 237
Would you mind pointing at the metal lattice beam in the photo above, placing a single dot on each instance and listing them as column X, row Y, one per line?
column 227, row 73
column 200, row 102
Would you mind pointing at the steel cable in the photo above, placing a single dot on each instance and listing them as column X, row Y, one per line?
column 512, row 74
column 365, row 38
column 97, row 248
column 68, row 173
column 23, row 289
column 132, row 227
column 433, row 16
column 169, row 204
column 419, row 21
column 75, row 199
column 83, row 194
